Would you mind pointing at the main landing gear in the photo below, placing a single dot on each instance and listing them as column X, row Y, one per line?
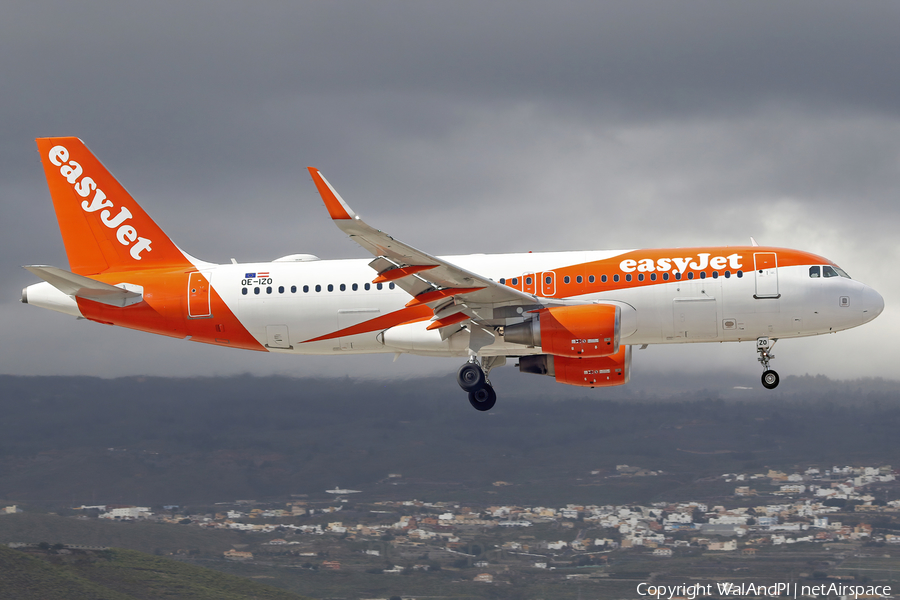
column 472, row 379
column 770, row 378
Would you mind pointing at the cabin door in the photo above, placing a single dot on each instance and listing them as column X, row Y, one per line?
column 198, row 295
column 766, row 264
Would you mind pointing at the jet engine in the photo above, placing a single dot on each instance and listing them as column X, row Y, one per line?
column 600, row 371
column 575, row 331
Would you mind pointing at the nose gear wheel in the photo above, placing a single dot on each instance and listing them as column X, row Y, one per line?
column 770, row 378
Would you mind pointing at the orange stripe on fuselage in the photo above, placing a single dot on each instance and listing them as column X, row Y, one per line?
column 664, row 261
column 398, row 317
column 164, row 310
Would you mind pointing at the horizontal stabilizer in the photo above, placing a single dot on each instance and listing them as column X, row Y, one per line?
column 80, row 286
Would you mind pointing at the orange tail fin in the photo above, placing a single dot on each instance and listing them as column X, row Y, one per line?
column 103, row 228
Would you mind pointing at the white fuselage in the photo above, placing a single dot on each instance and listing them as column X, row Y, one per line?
column 699, row 310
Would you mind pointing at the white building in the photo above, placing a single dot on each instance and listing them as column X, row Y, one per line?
column 127, row 512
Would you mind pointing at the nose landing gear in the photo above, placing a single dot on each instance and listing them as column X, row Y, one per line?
column 472, row 379
column 770, row 378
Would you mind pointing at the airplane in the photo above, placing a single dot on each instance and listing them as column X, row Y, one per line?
column 574, row 316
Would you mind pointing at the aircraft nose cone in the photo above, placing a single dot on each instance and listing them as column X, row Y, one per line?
column 873, row 304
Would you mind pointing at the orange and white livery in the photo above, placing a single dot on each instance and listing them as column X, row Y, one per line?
column 571, row 315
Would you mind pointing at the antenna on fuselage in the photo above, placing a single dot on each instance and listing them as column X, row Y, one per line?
column 753, row 241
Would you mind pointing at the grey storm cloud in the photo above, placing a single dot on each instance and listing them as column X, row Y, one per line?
column 458, row 127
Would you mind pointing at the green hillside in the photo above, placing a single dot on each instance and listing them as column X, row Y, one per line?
column 118, row 575
column 152, row 538
column 67, row 441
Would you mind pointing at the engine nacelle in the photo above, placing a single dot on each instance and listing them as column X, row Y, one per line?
column 601, row 371
column 574, row 331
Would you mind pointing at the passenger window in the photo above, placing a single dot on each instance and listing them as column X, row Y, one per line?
column 354, row 287
column 280, row 289
column 702, row 274
column 343, row 287
column 269, row 289
column 293, row 289
column 330, row 287
column 256, row 290
column 318, row 288
column 727, row 274
column 829, row 272
column 603, row 278
column 814, row 272
column 591, row 279
column 528, row 281
column 740, row 274
column 678, row 276
column 244, row 291
column 515, row 281
column 652, row 276
column 665, row 276
column 579, row 279
column 715, row 274
column 628, row 277
column 691, row 275
column 502, row 281
column 367, row 286
column 547, row 280
column 640, row 276
column 391, row 285
column 566, row 279
column 305, row 289
column 616, row 278
column 378, row 286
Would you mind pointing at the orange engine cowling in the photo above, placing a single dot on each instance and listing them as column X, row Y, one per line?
column 601, row 371
column 575, row 331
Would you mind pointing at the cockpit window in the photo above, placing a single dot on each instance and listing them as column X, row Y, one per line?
column 827, row 271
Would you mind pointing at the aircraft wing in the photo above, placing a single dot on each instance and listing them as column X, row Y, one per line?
column 429, row 279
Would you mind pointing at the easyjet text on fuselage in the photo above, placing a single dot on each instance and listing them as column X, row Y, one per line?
column 697, row 262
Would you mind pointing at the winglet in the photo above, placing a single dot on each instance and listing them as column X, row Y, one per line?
column 336, row 206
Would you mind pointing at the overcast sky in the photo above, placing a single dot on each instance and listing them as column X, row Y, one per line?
column 458, row 127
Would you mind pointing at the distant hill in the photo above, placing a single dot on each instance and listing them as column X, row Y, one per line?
column 119, row 575
column 152, row 538
column 66, row 441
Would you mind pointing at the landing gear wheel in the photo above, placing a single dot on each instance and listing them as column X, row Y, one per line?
column 483, row 398
column 470, row 377
column 770, row 380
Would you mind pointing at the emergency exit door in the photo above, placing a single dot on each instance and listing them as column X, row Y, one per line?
column 548, row 283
